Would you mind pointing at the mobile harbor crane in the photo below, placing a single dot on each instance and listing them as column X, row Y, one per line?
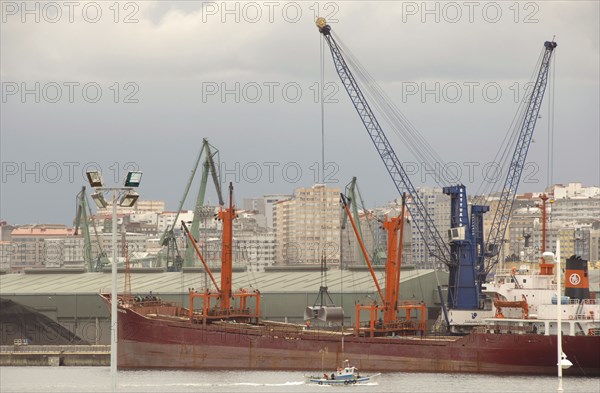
column 468, row 259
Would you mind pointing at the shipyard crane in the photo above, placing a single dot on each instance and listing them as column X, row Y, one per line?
column 82, row 221
column 208, row 167
column 490, row 257
column 352, row 190
column 174, row 259
column 438, row 247
column 464, row 257
column 459, row 258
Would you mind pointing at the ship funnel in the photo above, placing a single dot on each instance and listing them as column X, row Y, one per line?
column 576, row 278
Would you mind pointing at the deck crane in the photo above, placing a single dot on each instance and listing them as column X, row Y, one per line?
column 465, row 255
column 82, row 221
column 174, row 259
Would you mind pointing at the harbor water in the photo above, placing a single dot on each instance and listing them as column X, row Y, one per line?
column 97, row 379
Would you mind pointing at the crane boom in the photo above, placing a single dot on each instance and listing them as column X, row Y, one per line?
column 81, row 214
column 208, row 167
column 82, row 221
column 174, row 259
column 515, row 170
column 436, row 245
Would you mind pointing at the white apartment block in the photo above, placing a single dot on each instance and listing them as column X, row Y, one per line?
column 438, row 208
column 149, row 206
column 374, row 238
column 44, row 245
column 574, row 190
column 265, row 205
column 307, row 226
column 167, row 219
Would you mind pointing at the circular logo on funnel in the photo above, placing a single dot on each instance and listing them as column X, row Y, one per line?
column 574, row 279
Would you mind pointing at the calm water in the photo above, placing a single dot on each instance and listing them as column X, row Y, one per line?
column 97, row 379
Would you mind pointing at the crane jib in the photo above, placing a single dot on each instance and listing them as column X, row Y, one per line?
column 435, row 245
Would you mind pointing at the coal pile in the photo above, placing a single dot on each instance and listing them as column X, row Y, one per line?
column 18, row 322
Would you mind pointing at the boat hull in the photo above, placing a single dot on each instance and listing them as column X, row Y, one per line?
column 323, row 381
column 146, row 342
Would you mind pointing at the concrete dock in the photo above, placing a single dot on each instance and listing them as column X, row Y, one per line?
column 55, row 355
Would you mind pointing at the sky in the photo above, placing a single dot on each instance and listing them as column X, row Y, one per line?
column 139, row 84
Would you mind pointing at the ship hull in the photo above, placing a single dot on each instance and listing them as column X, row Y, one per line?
column 146, row 342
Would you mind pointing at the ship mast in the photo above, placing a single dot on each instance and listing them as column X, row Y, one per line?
column 545, row 268
column 227, row 216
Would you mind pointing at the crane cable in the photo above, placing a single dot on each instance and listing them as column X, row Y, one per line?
column 322, row 178
column 551, row 87
column 395, row 119
column 504, row 154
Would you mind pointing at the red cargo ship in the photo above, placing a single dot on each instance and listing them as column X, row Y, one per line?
column 226, row 332
column 161, row 335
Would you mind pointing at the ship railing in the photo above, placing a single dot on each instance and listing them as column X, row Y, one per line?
column 591, row 301
column 220, row 312
column 584, row 316
column 510, row 272
column 594, row 332
column 505, row 329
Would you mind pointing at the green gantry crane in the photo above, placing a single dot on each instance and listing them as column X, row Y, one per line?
column 82, row 221
column 174, row 259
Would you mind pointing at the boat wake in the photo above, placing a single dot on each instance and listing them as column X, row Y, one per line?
column 191, row 384
column 264, row 384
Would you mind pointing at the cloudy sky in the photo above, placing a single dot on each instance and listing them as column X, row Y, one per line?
column 139, row 85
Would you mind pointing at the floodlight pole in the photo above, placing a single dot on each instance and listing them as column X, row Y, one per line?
column 113, row 296
column 132, row 181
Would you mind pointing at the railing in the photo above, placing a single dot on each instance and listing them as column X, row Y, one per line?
column 55, row 348
column 510, row 272
column 584, row 316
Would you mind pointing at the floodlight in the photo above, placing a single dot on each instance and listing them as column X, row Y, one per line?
column 129, row 199
column 133, row 179
column 99, row 200
column 95, row 178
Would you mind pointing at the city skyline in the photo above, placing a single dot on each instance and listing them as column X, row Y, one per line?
column 295, row 229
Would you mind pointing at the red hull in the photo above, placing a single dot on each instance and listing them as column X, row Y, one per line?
column 157, row 343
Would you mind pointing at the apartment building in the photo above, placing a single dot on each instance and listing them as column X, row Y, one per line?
column 307, row 227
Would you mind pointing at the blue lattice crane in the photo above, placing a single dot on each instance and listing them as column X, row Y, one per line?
column 489, row 258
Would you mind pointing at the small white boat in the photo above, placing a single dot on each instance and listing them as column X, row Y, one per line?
column 346, row 375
